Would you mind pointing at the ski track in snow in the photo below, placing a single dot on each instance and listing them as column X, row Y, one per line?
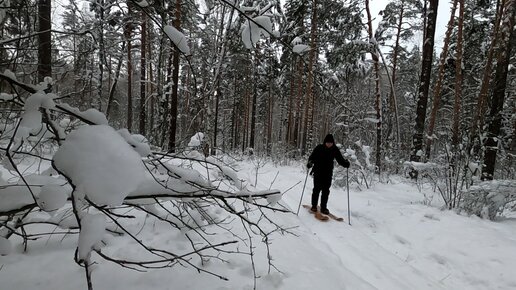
column 349, row 245
column 402, row 244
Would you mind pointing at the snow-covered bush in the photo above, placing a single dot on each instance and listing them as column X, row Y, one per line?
column 96, row 180
column 361, row 170
column 489, row 198
column 449, row 173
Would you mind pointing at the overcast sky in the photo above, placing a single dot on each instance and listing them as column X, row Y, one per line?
column 443, row 15
column 375, row 5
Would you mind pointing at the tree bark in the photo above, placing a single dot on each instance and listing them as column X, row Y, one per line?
column 309, row 104
column 440, row 76
column 216, row 121
column 143, row 77
column 101, row 52
column 246, row 104
column 395, row 55
column 378, row 101
column 115, row 82
column 299, row 101
column 128, row 35
column 478, row 118
column 44, row 40
column 175, row 79
column 458, row 78
column 498, row 94
column 254, row 104
column 270, row 112
column 291, row 97
column 424, row 84
column 151, row 87
column 221, row 49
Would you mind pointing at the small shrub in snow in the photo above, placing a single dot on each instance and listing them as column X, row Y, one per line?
column 489, row 198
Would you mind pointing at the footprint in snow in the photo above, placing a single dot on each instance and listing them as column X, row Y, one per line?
column 401, row 240
column 440, row 259
column 431, row 217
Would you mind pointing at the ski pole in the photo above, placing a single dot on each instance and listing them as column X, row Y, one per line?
column 299, row 206
column 347, row 186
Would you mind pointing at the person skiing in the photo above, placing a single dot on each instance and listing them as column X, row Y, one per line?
column 321, row 160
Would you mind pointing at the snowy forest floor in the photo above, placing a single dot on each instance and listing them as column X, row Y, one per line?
column 395, row 242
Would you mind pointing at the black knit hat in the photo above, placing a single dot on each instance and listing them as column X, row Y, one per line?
column 329, row 139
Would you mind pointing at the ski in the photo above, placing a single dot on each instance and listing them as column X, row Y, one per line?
column 317, row 214
column 337, row 218
column 321, row 216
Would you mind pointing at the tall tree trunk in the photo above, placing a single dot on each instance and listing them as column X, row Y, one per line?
column 309, row 104
column 151, row 87
column 216, row 121
column 377, row 93
column 234, row 118
column 254, row 104
column 299, row 101
column 167, row 102
column 499, row 86
column 115, row 81
column 440, row 76
column 478, row 118
column 44, row 40
column 424, row 84
column 160, row 132
column 143, row 77
column 513, row 144
column 101, row 53
column 128, row 35
column 220, row 45
column 458, row 78
column 175, row 79
column 246, row 104
column 395, row 55
column 270, row 111
column 291, row 96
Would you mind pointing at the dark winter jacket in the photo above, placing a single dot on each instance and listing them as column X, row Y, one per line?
column 322, row 158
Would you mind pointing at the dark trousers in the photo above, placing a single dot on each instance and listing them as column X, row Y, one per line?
column 321, row 183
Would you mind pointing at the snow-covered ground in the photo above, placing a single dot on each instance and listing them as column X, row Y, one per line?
column 395, row 242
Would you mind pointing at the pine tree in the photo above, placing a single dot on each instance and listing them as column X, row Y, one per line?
column 400, row 20
column 426, row 68
column 499, row 84
column 44, row 40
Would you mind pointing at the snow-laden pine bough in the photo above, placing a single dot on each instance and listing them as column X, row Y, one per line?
column 77, row 175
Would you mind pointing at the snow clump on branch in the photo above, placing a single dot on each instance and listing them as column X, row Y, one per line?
column 52, row 197
column 101, row 164
column 196, row 140
column 178, row 38
column 254, row 29
column 31, row 117
column 93, row 227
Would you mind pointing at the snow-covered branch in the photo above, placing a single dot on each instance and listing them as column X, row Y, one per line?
column 92, row 180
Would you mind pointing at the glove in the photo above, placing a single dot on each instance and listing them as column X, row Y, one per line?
column 346, row 163
column 310, row 164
